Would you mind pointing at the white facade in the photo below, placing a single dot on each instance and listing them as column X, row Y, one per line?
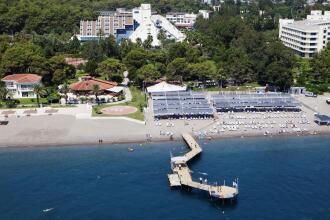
column 150, row 25
column 184, row 20
column 129, row 24
column 204, row 13
column 306, row 37
column 21, row 90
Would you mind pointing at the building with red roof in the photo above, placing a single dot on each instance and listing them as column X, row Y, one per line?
column 85, row 85
column 21, row 85
column 76, row 62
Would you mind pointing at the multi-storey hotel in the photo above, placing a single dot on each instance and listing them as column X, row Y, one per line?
column 138, row 23
column 182, row 20
column 119, row 23
column 306, row 37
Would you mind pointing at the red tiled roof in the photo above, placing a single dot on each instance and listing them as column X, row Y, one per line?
column 87, row 84
column 23, row 78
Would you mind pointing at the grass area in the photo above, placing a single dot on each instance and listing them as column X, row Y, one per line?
column 31, row 101
column 139, row 101
column 23, row 103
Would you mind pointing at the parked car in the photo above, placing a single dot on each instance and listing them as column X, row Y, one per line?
column 310, row 94
column 328, row 101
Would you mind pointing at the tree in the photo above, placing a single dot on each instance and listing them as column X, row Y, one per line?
column 126, row 46
column 91, row 67
column 176, row 50
column 58, row 71
column 74, row 46
column 147, row 44
column 96, row 90
column 238, row 66
column 22, row 57
column 193, row 55
column 134, row 60
column 112, row 69
column 139, row 42
column 321, row 66
column 147, row 73
column 3, row 91
column 279, row 76
column 110, row 47
column 92, row 51
column 202, row 71
column 39, row 91
column 65, row 90
column 162, row 37
column 178, row 69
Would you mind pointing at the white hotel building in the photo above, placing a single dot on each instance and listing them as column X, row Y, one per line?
column 306, row 37
column 182, row 20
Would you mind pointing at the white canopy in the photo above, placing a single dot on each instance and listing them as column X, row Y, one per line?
column 116, row 89
column 165, row 87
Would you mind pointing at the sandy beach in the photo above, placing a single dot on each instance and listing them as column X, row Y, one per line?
column 74, row 126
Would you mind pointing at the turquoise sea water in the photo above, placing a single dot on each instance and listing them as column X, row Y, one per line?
column 280, row 178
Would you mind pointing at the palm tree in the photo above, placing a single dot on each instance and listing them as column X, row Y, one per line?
column 3, row 91
column 96, row 90
column 65, row 89
column 39, row 91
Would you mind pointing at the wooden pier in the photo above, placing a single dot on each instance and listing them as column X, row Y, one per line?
column 181, row 174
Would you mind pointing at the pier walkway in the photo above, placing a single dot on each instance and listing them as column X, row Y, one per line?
column 181, row 173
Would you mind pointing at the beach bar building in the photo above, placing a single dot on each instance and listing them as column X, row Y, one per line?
column 84, row 88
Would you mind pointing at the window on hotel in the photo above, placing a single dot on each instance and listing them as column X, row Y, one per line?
column 9, row 84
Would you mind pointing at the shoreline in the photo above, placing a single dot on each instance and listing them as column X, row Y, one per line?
column 161, row 140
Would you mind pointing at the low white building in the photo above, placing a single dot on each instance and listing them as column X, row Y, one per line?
column 186, row 20
column 204, row 13
column 306, row 37
column 165, row 87
column 21, row 85
column 182, row 20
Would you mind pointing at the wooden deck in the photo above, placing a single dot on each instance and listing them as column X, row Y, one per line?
column 181, row 174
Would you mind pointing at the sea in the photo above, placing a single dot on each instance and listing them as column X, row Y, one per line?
column 279, row 178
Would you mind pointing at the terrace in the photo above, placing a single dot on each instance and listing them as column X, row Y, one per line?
column 181, row 104
column 224, row 102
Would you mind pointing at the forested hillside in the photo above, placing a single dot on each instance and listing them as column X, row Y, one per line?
column 237, row 45
column 59, row 16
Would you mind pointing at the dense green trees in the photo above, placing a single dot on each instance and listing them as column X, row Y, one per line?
column 58, row 16
column 238, row 44
column 321, row 66
column 112, row 69
column 22, row 57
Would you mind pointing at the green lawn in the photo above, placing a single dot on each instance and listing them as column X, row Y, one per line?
column 25, row 103
column 30, row 101
column 138, row 100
